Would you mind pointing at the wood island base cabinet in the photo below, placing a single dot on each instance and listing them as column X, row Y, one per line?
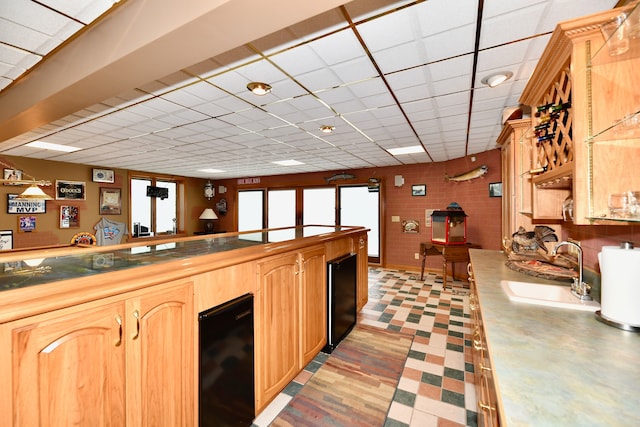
column 123, row 350
column 118, row 361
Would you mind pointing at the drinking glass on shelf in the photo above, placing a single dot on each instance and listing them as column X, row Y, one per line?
column 634, row 204
column 619, row 205
column 615, row 34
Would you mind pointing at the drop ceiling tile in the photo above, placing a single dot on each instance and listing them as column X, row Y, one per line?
column 513, row 25
column 299, row 60
column 337, row 48
column 439, row 17
column 83, row 10
column 356, row 69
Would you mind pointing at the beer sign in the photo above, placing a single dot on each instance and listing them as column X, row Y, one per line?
column 70, row 190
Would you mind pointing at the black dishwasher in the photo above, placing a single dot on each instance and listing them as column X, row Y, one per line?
column 226, row 373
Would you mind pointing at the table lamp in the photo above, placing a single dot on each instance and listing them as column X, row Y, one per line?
column 208, row 214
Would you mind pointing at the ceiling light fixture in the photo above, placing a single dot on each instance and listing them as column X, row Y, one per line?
column 52, row 146
column 414, row 149
column 494, row 80
column 327, row 128
column 259, row 88
column 288, row 162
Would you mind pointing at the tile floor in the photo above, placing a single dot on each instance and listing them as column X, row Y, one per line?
column 437, row 387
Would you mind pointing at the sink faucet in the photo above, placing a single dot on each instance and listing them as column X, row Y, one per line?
column 580, row 289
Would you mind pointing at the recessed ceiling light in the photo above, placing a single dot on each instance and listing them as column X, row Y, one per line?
column 494, row 80
column 259, row 88
column 327, row 128
column 406, row 150
column 210, row 170
column 288, row 162
column 51, row 146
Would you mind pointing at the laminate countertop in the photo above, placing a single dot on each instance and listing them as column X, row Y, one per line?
column 554, row 366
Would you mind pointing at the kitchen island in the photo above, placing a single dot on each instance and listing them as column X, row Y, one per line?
column 553, row 366
column 108, row 335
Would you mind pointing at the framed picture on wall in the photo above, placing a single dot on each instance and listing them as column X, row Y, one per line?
column 26, row 224
column 495, row 189
column 419, row 190
column 69, row 217
column 110, row 201
column 25, row 206
column 70, row 190
column 12, row 175
column 6, row 240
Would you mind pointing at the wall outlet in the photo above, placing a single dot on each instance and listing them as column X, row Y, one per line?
column 416, row 255
column 571, row 249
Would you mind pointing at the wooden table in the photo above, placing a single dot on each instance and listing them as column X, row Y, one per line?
column 449, row 253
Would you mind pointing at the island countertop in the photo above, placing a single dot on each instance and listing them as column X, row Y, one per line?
column 553, row 366
column 36, row 281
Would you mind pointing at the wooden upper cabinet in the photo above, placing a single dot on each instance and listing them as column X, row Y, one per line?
column 515, row 143
column 592, row 152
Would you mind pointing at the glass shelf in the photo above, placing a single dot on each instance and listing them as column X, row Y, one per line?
column 606, row 218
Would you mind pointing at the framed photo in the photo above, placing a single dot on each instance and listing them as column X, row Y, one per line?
column 495, row 189
column 12, row 175
column 26, row 224
column 70, row 190
column 110, row 201
column 410, row 226
column 69, row 217
column 6, row 240
column 419, row 190
column 25, row 206
column 103, row 175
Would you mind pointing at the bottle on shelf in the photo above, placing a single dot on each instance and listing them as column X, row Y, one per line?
column 539, row 170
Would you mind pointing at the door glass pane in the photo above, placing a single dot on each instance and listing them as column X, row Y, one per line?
column 282, row 208
column 319, row 206
column 250, row 210
column 166, row 212
column 359, row 207
column 140, row 207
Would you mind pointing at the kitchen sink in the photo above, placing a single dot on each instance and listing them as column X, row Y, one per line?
column 548, row 295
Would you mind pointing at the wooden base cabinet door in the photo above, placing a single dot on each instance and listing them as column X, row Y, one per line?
column 68, row 368
column 277, row 333
column 362, row 293
column 313, row 297
column 160, row 358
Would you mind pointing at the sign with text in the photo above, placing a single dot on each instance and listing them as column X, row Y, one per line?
column 25, row 206
column 70, row 190
column 248, row 181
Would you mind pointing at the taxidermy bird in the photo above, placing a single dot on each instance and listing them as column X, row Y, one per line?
column 524, row 240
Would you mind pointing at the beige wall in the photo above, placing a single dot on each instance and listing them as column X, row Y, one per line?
column 48, row 231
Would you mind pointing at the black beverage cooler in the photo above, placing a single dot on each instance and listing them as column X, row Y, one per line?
column 226, row 372
column 341, row 299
